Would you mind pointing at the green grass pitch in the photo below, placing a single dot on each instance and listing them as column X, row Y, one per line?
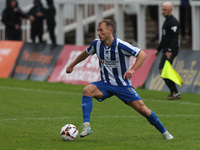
column 32, row 114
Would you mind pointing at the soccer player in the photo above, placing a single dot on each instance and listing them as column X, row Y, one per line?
column 114, row 55
column 169, row 45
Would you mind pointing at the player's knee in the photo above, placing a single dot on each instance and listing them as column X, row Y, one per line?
column 87, row 91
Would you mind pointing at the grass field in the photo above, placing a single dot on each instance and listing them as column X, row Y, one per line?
column 32, row 114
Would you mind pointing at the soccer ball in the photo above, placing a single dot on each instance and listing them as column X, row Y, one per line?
column 69, row 132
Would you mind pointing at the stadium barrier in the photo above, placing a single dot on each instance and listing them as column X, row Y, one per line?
column 41, row 62
column 187, row 65
column 36, row 61
column 8, row 55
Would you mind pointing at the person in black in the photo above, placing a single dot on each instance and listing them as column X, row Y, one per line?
column 169, row 45
column 50, row 17
column 185, row 20
column 36, row 15
column 11, row 17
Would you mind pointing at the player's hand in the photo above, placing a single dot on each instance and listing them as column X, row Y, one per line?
column 156, row 53
column 69, row 69
column 128, row 74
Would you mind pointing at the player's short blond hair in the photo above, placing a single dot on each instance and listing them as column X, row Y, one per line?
column 108, row 23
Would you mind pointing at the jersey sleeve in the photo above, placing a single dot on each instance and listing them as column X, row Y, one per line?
column 174, row 33
column 128, row 49
column 91, row 49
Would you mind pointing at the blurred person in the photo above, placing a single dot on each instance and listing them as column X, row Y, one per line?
column 50, row 13
column 12, row 17
column 114, row 58
column 169, row 45
column 36, row 16
column 185, row 20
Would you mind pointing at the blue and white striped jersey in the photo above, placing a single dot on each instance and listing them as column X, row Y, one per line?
column 114, row 60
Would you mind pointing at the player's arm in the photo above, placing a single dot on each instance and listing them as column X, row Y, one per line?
column 139, row 61
column 82, row 56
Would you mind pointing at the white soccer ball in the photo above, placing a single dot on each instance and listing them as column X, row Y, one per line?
column 69, row 132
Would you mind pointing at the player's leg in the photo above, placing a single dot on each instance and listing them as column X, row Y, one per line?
column 140, row 107
column 89, row 91
column 170, row 84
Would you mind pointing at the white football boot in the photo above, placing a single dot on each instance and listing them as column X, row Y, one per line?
column 86, row 129
column 167, row 135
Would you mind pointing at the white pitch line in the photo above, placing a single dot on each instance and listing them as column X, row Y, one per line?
column 37, row 90
column 77, row 93
column 118, row 116
column 172, row 102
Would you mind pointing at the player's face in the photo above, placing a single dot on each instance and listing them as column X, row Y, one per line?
column 103, row 32
column 166, row 10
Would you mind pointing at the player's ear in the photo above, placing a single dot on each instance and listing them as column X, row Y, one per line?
column 111, row 30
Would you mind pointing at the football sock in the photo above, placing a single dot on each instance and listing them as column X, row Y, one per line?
column 171, row 85
column 86, row 108
column 153, row 119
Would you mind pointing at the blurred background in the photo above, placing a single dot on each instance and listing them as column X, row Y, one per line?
column 138, row 22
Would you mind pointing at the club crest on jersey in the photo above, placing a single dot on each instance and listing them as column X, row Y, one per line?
column 102, row 61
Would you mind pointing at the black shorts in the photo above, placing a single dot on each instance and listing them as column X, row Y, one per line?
column 164, row 57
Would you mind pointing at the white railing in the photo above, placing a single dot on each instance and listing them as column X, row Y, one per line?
column 82, row 12
column 195, row 24
column 2, row 30
column 118, row 15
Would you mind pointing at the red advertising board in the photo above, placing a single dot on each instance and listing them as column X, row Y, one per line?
column 9, row 51
column 88, row 70
column 141, row 74
column 85, row 72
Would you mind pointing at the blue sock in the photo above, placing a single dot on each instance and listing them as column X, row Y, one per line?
column 86, row 108
column 153, row 119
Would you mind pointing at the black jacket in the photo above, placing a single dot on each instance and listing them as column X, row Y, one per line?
column 10, row 18
column 170, row 35
column 37, row 24
column 50, row 13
